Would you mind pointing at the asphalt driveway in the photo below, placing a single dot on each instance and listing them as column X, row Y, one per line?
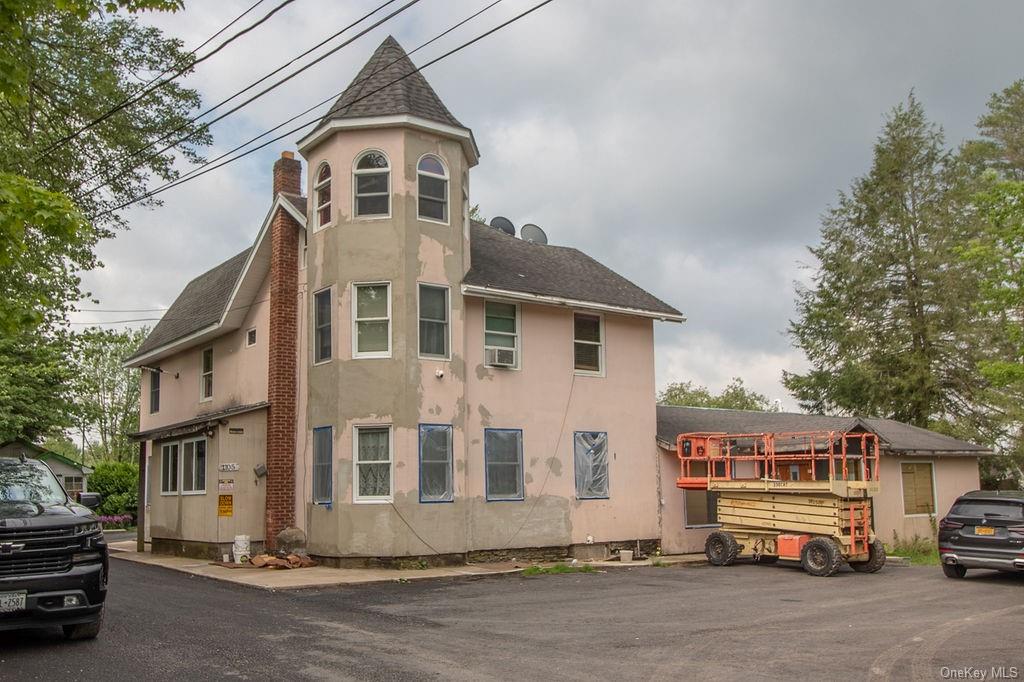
column 741, row 622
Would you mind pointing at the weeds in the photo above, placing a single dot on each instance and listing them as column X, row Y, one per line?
column 557, row 569
column 921, row 551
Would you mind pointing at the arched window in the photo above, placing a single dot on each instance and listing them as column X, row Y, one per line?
column 322, row 190
column 433, row 189
column 372, row 177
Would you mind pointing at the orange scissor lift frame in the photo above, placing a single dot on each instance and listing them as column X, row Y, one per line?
column 802, row 496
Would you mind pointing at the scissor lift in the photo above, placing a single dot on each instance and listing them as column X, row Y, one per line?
column 801, row 496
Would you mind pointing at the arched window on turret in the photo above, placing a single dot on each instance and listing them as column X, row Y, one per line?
column 322, row 191
column 372, row 178
column 433, row 189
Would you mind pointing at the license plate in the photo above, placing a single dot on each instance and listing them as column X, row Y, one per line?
column 12, row 601
column 984, row 530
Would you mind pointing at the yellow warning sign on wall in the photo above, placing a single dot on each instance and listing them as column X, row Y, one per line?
column 225, row 505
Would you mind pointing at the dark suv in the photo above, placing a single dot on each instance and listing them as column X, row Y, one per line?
column 53, row 558
column 984, row 529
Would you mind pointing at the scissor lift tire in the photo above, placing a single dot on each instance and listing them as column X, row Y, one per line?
column 721, row 548
column 876, row 559
column 820, row 557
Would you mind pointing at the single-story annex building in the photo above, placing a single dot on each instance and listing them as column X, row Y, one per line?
column 73, row 475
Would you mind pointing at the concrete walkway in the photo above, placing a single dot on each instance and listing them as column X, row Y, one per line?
column 322, row 576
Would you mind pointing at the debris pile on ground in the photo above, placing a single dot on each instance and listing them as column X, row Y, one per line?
column 282, row 561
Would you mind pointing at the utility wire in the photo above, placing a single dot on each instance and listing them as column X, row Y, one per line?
column 152, row 88
column 335, row 95
column 216, row 106
column 206, row 168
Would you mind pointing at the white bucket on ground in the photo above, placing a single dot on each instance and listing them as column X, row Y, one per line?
column 625, row 555
column 240, row 549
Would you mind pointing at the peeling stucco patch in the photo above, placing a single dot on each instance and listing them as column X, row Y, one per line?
column 555, row 465
column 528, row 477
column 483, row 373
column 485, row 415
column 533, row 461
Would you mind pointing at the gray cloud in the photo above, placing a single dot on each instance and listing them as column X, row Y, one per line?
column 690, row 146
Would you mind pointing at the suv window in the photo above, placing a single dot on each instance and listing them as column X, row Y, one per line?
column 29, row 481
column 1008, row 510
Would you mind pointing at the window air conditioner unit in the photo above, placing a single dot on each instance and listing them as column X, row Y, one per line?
column 500, row 357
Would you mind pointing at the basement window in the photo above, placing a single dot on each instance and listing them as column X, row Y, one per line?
column 373, row 464
column 436, row 484
column 323, row 447
column 503, row 461
column 590, row 450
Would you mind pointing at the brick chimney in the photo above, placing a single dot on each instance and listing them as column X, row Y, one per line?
column 287, row 174
column 283, row 343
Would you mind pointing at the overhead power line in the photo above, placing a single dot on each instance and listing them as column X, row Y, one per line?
column 207, row 167
column 153, row 87
column 206, row 126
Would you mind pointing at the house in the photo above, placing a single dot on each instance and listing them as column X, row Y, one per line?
column 74, row 476
column 921, row 472
column 392, row 378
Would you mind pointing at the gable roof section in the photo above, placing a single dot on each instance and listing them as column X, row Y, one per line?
column 411, row 95
column 42, row 454
column 897, row 437
column 208, row 306
column 502, row 264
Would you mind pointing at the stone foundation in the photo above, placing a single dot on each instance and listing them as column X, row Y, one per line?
column 214, row 551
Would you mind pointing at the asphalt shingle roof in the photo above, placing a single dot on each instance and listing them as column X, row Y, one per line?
column 501, row 261
column 411, row 95
column 896, row 436
column 200, row 304
column 297, row 201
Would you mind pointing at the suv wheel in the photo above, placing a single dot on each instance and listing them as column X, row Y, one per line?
column 954, row 570
column 820, row 557
column 84, row 630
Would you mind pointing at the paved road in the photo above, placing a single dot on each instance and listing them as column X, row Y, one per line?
column 741, row 622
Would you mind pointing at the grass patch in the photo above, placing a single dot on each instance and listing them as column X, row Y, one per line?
column 920, row 551
column 557, row 569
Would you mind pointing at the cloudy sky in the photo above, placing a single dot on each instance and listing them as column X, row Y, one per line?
column 690, row 145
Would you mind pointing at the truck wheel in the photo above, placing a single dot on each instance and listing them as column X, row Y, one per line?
column 84, row 630
column 820, row 557
column 954, row 570
column 876, row 559
column 721, row 548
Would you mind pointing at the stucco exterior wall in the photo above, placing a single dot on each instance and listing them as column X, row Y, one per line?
column 239, row 372
column 676, row 537
column 193, row 517
column 953, row 476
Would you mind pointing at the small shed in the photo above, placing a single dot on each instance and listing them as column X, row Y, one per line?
column 73, row 475
column 921, row 474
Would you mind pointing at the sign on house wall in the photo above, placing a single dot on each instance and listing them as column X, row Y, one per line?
column 225, row 505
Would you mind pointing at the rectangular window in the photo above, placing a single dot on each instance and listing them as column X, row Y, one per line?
column 206, row 379
column 322, row 326
column 590, row 449
column 701, row 508
column 169, row 468
column 250, row 337
column 503, row 461
column 918, row 492
column 323, row 459
column 373, row 464
column 433, row 321
column 501, row 334
column 193, row 476
column 372, row 321
column 433, row 203
column 154, row 391
column 74, row 485
column 588, row 351
column 436, row 478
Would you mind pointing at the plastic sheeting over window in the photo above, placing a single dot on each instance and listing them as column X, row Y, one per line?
column 591, row 455
column 503, row 457
column 436, row 463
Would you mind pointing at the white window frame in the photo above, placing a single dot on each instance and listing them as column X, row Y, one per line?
column 203, row 398
column 303, row 249
column 367, row 171
column 447, row 323
column 447, row 190
column 935, row 496
column 518, row 335
column 355, row 320
column 314, row 345
column 154, row 374
column 375, row 499
column 317, row 184
column 600, row 344
column 255, row 336
column 181, row 465
column 177, row 469
column 67, row 484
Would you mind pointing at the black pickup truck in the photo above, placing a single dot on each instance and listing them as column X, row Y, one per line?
column 53, row 558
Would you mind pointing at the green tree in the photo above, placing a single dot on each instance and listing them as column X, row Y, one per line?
column 118, row 483
column 735, row 396
column 106, row 394
column 1001, row 145
column 887, row 321
column 35, row 385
